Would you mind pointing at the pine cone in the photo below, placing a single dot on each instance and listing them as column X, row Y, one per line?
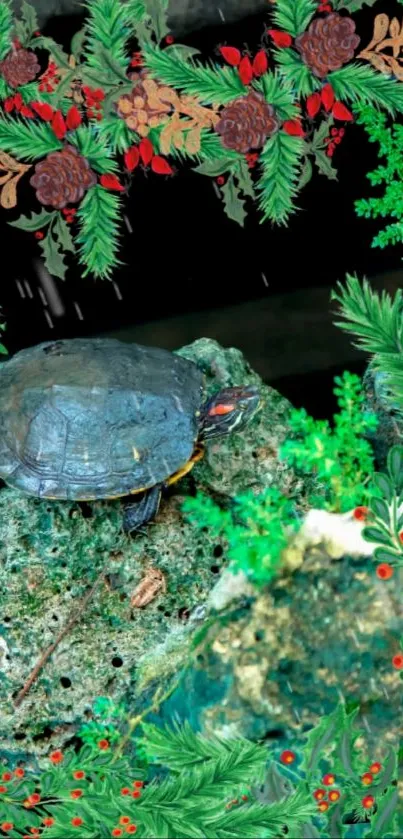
column 62, row 178
column 247, row 122
column 19, row 67
column 141, row 109
column 329, row 43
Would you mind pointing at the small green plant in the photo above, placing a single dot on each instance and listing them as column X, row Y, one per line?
column 340, row 458
column 389, row 175
column 257, row 529
column 385, row 525
column 212, row 788
column 103, row 725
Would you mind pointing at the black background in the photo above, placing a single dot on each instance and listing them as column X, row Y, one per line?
column 184, row 254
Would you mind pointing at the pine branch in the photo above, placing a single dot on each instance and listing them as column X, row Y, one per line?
column 296, row 72
column 109, row 28
column 114, row 134
column 278, row 92
column 98, row 215
column 6, row 28
column 180, row 747
column 271, row 819
column 281, row 161
column 212, row 85
column 357, row 83
column 27, row 140
column 95, row 149
column 294, row 16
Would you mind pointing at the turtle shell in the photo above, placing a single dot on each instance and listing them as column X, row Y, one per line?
column 96, row 418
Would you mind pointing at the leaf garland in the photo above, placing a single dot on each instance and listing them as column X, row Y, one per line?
column 183, row 98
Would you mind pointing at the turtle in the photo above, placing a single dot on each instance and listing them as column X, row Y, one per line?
column 83, row 419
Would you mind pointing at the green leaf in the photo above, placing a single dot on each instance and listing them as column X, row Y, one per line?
column 385, row 818
column 3, row 350
column 30, row 19
column 387, row 555
column 109, row 27
column 213, row 168
column 54, row 260
column 395, row 466
column 294, row 16
column 352, row 5
column 306, row 174
column 384, row 484
column 94, row 149
column 280, row 160
column 243, row 176
column 297, row 73
column 63, row 234
column 279, row 93
column 28, row 141
column 115, row 94
column 320, row 737
column 210, row 85
column 375, row 534
column 112, row 65
column 181, row 51
column 324, row 165
column 36, row 222
column 233, row 204
column 6, row 29
column 321, row 133
column 61, row 58
column 381, row 510
column 77, row 43
column 157, row 12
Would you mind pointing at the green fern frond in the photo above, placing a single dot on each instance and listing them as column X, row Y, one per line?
column 280, row 161
column 212, row 85
column 94, row 149
column 99, row 215
column 294, row 16
column 27, row 140
column 108, row 28
column 375, row 319
column 6, row 28
column 297, row 73
column 358, row 83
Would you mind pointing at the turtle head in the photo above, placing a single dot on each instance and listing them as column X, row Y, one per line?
column 228, row 410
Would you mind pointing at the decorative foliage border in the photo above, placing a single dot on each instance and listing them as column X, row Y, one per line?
column 79, row 125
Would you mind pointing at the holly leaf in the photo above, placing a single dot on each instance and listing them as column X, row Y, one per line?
column 181, row 51
column 233, row 204
column 321, row 132
column 213, row 168
column 36, row 222
column 112, row 65
column 157, row 11
column 77, row 43
column 29, row 18
column 352, row 5
column 306, row 174
column 54, row 260
column 324, row 165
column 243, row 176
column 61, row 58
column 63, row 235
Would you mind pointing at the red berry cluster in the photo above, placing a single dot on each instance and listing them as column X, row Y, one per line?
column 145, row 152
column 336, row 136
column 251, row 159
column 48, row 79
column 16, row 103
column 69, row 214
column 93, row 102
column 137, row 60
column 326, row 799
column 247, row 69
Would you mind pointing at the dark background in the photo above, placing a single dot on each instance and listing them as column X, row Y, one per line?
column 184, row 256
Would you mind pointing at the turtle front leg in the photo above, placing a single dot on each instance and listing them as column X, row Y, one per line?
column 137, row 514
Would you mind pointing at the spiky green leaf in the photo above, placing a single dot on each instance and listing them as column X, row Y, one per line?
column 294, row 16
column 297, row 73
column 359, row 83
column 99, row 215
column 6, row 28
column 281, row 163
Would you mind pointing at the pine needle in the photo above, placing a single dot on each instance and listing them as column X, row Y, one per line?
column 6, row 28
column 377, row 321
column 278, row 92
column 296, row 72
column 99, row 215
column 212, row 85
column 27, row 140
column 357, row 83
column 95, row 149
column 108, row 27
column 281, row 161
column 294, row 16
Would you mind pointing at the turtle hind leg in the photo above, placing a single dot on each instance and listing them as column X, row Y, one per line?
column 137, row 514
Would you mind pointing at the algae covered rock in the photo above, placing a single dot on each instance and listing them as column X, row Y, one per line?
column 52, row 554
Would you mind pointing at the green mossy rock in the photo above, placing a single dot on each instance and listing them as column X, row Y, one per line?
column 52, row 553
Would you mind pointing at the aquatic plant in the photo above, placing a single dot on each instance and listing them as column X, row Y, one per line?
column 211, row 787
column 385, row 519
column 81, row 127
column 256, row 527
column 340, row 457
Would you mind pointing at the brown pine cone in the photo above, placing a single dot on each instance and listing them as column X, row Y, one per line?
column 247, row 122
column 328, row 43
column 140, row 109
column 62, row 178
column 19, row 67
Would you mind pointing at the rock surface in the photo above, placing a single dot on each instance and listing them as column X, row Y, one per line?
column 51, row 554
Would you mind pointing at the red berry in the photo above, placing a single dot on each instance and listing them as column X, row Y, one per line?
column 59, row 126
column 90, row 114
column 231, row 55
column 328, row 779
column 9, row 104
column 330, row 149
column 117, row 831
column 281, row 39
column 313, row 104
column 76, row 822
column 368, row 802
column 131, row 828
column 384, row 571
column 3, row 788
column 342, row 132
column 334, row 795
column 323, row 806
column 375, row 768
column 287, row 756
column 39, row 234
column 7, row 776
column 124, row 820
column 367, row 778
column 245, row 70
column 319, row 794
column 48, row 821
column 98, row 94
column 136, row 794
column 43, row 110
column 125, row 791
column 18, row 101
column 6, row 826
column 220, row 180
column 260, row 63
column 79, row 774
column 397, row 661
column 25, row 111
column 73, row 118
column 169, row 39
column 56, row 757
column 49, row 88
column 138, row 784
column 360, row 513
column 76, row 793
